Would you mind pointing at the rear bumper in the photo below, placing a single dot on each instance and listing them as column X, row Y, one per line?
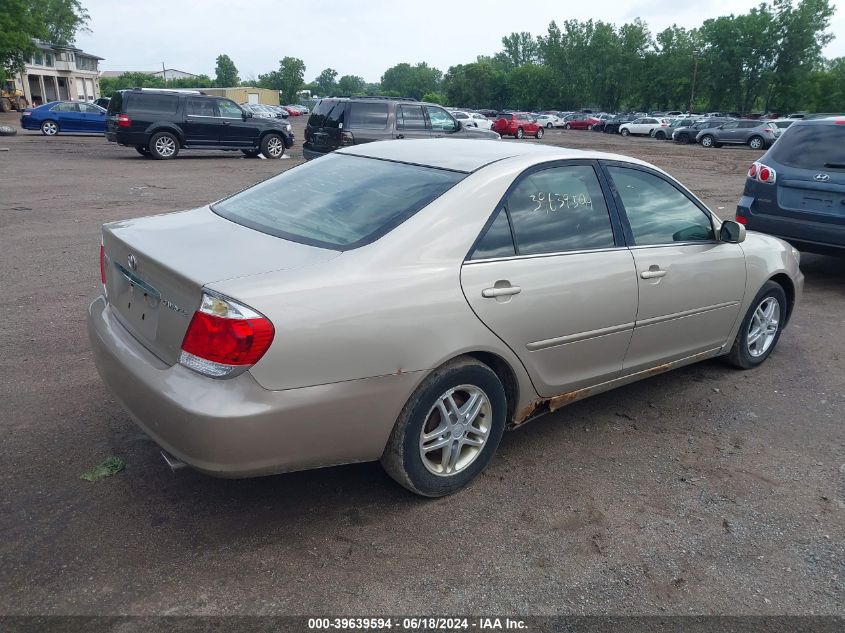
column 235, row 427
column 310, row 154
column 806, row 235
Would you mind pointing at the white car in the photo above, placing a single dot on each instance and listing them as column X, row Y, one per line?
column 549, row 121
column 644, row 125
column 472, row 119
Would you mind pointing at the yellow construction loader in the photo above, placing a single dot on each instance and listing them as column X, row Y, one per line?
column 11, row 98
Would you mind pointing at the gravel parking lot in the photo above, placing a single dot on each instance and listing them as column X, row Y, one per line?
column 706, row 490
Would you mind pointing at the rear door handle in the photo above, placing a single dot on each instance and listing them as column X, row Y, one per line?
column 400, row 136
column 505, row 291
column 653, row 273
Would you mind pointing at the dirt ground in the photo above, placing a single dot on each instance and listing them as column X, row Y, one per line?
column 703, row 491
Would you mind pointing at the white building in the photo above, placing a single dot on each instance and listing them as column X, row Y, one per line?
column 168, row 74
column 56, row 73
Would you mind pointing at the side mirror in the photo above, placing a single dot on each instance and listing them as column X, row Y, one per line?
column 458, row 125
column 732, row 232
column 247, row 115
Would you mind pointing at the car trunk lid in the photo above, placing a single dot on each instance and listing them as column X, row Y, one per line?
column 156, row 268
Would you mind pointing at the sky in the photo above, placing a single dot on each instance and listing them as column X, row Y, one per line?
column 360, row 37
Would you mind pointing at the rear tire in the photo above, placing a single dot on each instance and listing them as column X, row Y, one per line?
column 756, row 142
column 660, row 135
column 589, row 127
column 761, row 328
column 439, row 444
column 549, row 125
column 567, row 127
column 164, row 146
column 273, row 146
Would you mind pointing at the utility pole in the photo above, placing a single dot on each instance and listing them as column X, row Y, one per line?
column 164, row 74
column 692, row 89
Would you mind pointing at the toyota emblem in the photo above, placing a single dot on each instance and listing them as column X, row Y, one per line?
column 133, row 262
column 821, row 177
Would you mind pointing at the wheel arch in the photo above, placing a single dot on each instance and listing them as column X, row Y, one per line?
column 783, row 280
column 173, row 129
column 505, row 373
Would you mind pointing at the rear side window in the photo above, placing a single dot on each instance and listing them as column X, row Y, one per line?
column 367, row 115
column 497, row 241
column 338, row 202
column 811, row 146
column 201, row 107
column 410, row 117
column 327, row 113
column 152, row 102
column 65, row 107
column 559, row 209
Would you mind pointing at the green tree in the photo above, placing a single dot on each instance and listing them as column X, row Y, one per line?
column 433, row 97
column 476, row 85
column 226, row 75
column 326, row 82
column 532, row 87
column 519, row 49
column 411, row 81
column 351, row 85
column 54, row 21
column 287, row 79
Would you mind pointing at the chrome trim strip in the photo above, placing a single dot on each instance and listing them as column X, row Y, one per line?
column 685, row 313
column 137, row 281
column 541, row 255
column 580, row 336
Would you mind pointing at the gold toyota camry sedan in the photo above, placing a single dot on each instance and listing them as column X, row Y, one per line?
column 409, row 301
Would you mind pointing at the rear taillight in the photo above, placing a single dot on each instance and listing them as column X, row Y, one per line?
column 123, row 120
column 768, row 129
column 103, row 265
column 225, row 336
column 762, row 173
column 741, row 219
column 346, row 138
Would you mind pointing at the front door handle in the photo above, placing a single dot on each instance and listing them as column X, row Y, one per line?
column 653, row 272
column 400, row 136
column 503, row 291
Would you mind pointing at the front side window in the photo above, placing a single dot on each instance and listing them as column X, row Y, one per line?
column 657, row 211
column 367, row 115
column 440, row 119
column 337, row 202
column 229, row 109
column 559, row 209
column 410, row 117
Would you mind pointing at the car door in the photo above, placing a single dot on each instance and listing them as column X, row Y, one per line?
column 411, row 122
column 551, row 277
column 690, row 284
column 202, row 122
column 68, row 117
column 729, row 132
column 236, row 129
column 93, row 117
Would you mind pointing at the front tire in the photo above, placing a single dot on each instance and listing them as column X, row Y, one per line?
column 625, row 132
column 589, row 127
column 549, row 125
column 539, row 133
column 49, row 128
column 519, row 133
column 164, row 146
column 567, row 127
column 707, row 141
column 273, row 146
column 448, row 430
column 761, row 328
column 660, row 135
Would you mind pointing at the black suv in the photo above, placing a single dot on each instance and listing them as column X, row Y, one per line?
column 340, row 121
column 796, row 191
column 159, row 123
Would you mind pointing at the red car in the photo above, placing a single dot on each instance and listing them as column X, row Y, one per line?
column 517, row 124
column 580, row 122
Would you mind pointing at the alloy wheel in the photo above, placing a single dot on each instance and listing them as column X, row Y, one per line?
column 763, row 327
column 456, row 430
column 49, row 128
column 165, row 146
column 275, row 147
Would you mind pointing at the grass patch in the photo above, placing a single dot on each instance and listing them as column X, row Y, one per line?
column 108, row 467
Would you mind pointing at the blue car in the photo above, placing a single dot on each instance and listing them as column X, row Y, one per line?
column 65, row 116
column 796, row 190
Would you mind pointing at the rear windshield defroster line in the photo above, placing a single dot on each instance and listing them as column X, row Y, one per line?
column 339, row 202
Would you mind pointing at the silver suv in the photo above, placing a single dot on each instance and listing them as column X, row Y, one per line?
column 755, row 134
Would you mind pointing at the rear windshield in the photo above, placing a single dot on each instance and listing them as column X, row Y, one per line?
column 818, row 146
column 327, row 113
column 116, row 103
column 338, row 202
